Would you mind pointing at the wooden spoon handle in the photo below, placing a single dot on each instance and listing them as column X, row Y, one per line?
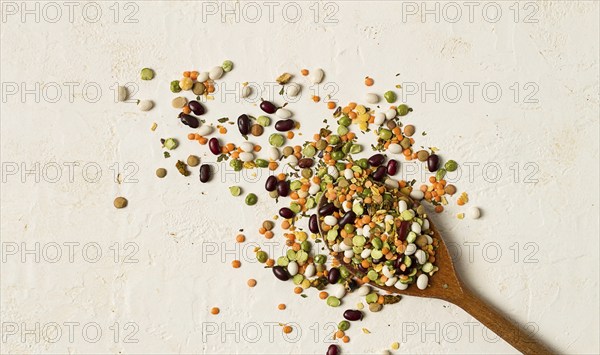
column 513, row 333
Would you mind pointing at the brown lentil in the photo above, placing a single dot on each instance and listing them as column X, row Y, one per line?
column 287, row 151
column 257, row 130
column 193, row 160
column 198, row 88
column 422, row 155
column 120, row 202
column 450, row 189
column 268, row 225
column 391, row 124
column 409, row 130
column 161, row 172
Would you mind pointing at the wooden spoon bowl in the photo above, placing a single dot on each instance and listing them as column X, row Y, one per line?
column 446, row 285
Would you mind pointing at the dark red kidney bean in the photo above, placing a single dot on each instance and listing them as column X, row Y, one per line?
column 283, row 188
column 327, row 209
column 349, row 217
column 432, row 162
column 332, row 350
column 286, row 212
column 392, row 167
column 271, row 183
column 313, row 224
column 362, row 269
column 403, row 230
column 376, row 159
column 334, row 275
column 189, row 121
column 214, row 146
column 243, row 123
column 268, row 107
column 353, row 314
column 205, row 173
column 281, row 273
column 379, row 174
column 285, row 125
column 305, row 163
column 196, row 108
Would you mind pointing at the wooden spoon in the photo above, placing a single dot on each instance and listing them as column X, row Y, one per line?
column 446, row 285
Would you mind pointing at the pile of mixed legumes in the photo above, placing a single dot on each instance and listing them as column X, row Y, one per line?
column 366, row 218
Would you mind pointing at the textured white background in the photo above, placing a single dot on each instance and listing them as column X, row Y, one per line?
column 181, row 233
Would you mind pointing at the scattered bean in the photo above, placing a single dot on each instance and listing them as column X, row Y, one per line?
column 243, row 123
column 390, row 96
column 268, row 107
column 317, row 76
column 161, row 172
column 285, row 125
column 145, row 105
column 147, row 74
column 179, row 102
column 433, row 162
column 189, row 120
column 198, row 88
column 205, row 173
column 353, row 315
column 196, row 108
column 120, row 202
column 122, row 94
column 257, row 130
column 409, row 130
column 422, row 155
column 216, row 73
column 193, row 161
column 251, row 199
column 214, row 146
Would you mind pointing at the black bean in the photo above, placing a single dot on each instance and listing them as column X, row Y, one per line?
column 332, row 350
column 285, row 125
column 281, row 273
column 286, row 212
column 376, row 261
column 379, row 174
column 334, row 275
column 271, row 183
column 305, row 163
column 349, row 217
column 392, row 167
column 189, row 121
column 205, row 173
column 196, row 107
column 283, row 188
column 313, row 224
column 327, row 209
column 353, row 314
column 432, row 162
column 268, row 107
column 376, row 159
column 214, row 146
column 243, row 123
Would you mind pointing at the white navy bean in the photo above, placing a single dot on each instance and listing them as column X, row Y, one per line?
column 274, row 153
column 473, row 212
column 344, row 247
column 363, row 290
column 379, row 118
column 337, row 290
column 391, row 183
column 205, row 130
column 216, row 73
column 367, row 231
column 283, row 113
column 402, row 206
column 123, row 93
column 386, row 271
column 246, row 157
column 293, row 89
column 426, row 224
column 314, row 188
column 336, row 248
column 391, row 281
column 292, row 268
column 145, row 105
column 422, row 281
column 365, row 253
column 246, row 91
column 399, row 285
column 202, row 77
column 310, row 271
column 395, row 148
column 247, row 147
column 421, row 256
column 333, row 171
column 429, row 239
column 391, row 113
column 348, row 174
column 317, row 76
column 372, row 98
column 348, row 254
column 330, row 220
column 292, row 160
column 415, row 227
column 417, row 194
column 410, row 249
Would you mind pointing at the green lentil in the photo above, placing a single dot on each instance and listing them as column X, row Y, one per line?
column 363, row 163
column 344, row 325
column 147, row 74
column 320, row 259
column 333, row 301
column 371, row 297
column 337, row 155
column 342, row 130
column 439, row 175
column 261, row 256
column 321, row 144
column 422, row 155
column 385, row 134
column 355, row 149
column 261, row 163
column 251, row 199
column 235, row 190
column 236, row 164
column 451, row 165
column 309, row 151
column 375, row 307
column 175, row 86
column 390, row 96
column 305, row 245
column 263, row 121
column 345, row 121
column 403, row 110
column 276, row 140
column 405, row 143
column 227, row 66
column 307, row 173
column 334, row 139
